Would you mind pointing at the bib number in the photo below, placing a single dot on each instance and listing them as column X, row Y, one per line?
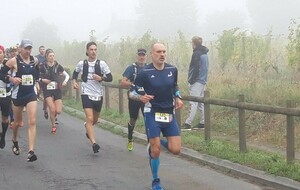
column 27, row 80
column 52, row 85
column 163, row 117
column 95, row 98
column 2, row 92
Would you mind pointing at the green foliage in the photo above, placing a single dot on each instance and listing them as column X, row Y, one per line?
column 179, row 52
column 293, row 47
column 242, row 50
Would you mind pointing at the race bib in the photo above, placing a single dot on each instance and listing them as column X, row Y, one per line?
column 163, row 117
column 52, row 85
column 27, row 80
column 2, row 92
column 94, row 98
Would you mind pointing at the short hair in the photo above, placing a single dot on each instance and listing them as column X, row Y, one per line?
column 41, row 47
column 90, row 44
column 197, row 40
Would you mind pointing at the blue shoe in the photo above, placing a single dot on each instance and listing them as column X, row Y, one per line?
column 156, row 185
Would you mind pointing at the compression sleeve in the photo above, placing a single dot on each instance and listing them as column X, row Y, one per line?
column 75, row 75
column 108, row 77
column 67, row 76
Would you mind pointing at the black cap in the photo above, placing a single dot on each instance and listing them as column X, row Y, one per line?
column 141, row 51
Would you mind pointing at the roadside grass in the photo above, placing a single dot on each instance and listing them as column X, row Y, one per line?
column 271, row 163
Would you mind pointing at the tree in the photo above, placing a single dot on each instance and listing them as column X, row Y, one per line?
column 42, row 33
column 293, row 47
column 165, row 18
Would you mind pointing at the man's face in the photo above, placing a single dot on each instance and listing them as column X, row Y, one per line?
column 92, row 52
column 158, row 53
column 25, row 52
column 141, row 58
column 42, row 51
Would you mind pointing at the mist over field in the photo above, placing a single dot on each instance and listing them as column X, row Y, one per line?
column 53, row 22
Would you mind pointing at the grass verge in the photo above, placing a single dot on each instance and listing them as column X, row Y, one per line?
column 269, row 162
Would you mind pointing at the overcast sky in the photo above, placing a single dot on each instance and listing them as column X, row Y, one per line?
column 75, row 18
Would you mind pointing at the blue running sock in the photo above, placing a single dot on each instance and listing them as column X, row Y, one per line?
column 154, row 165
column 164, row 143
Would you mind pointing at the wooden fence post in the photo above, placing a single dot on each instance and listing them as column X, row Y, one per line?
column 106, row 88
column 290, row 135
column 242, row 131
column 206, row 117
column 121, row 101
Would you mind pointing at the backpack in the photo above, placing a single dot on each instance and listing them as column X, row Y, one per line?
column 135, row 69
column 85, row 69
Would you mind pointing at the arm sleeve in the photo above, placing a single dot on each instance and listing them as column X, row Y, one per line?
column 67, row 76
column 108, row 77
column 77, row 70
column 3, row 74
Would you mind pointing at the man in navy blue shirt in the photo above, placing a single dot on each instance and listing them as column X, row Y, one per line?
column 127, row 81
column 156, row 86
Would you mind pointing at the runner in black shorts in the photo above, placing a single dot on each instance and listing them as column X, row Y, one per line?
column 94, row 71
column 51, row 73
column 5, row 99
column 127, row 81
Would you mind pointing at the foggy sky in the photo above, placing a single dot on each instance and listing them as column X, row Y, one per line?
column 75, row 18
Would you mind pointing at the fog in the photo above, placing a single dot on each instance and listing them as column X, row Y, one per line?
column 74, row 19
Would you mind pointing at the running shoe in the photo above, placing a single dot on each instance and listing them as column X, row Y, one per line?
column 53, row 130
column 31, row 156
column 46, row 114
column 130, row 145
column 16, row 148
column 96, row 147
column 156, row 185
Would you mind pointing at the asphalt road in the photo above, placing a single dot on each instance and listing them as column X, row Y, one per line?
column 66, row 162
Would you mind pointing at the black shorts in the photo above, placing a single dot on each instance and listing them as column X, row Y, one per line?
column 134, row 107
column 22, row 102
column 5, row 104
column 56, row 94
column 88, row 103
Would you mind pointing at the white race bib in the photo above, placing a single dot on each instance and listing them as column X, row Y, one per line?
column 2, row 92
column 27, row 80
column 94, row 98
column 52, row 85
column 163, row 117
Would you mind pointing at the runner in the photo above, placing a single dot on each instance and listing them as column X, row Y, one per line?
column 94, row 71
column 51, row 72
column 128, row 79
column 5, row 101
column 158, row 82
column 25, row 77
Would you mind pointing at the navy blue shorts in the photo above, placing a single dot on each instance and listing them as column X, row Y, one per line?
column 23, row 102
column 153, row 128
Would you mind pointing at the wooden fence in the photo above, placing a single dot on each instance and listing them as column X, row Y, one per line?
column 290, row 111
